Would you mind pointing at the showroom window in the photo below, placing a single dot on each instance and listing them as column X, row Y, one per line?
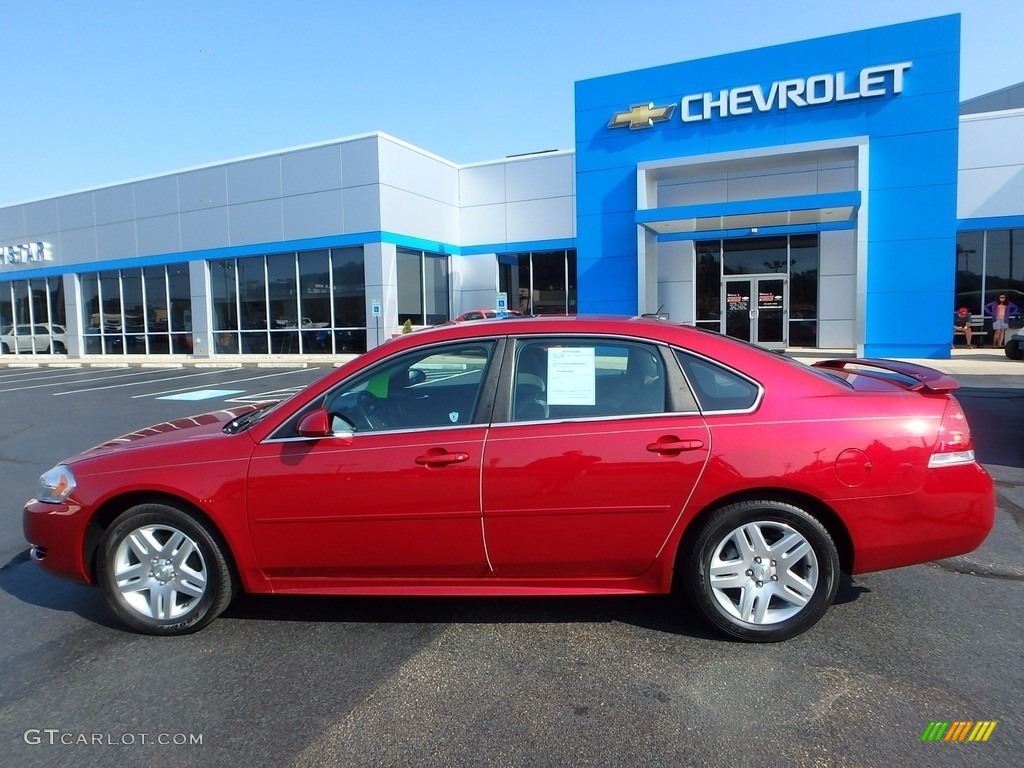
column 990, row 263
column 137, row 311
column 311, row 302
column 794, row 258
column 32, row 317
column 539, row 282
column 423, row 287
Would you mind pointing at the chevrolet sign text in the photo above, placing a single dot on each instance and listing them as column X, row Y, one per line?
column 799, row 92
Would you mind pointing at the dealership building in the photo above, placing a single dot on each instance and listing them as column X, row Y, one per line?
column 831, row 193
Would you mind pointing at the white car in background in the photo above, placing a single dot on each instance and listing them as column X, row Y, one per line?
column 41, row 338
column 1014, row 346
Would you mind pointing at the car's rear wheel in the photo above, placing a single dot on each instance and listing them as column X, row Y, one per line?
column 163, row 572
column 761, row 571
column 6, row 349
column 1013, row 350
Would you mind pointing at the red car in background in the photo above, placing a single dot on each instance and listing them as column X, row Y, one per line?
column 546, row 456
column 484, row 314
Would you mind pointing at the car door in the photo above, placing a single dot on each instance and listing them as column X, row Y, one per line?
column 395, row 491
column 600, row 447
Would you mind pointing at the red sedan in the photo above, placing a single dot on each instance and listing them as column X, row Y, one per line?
column 548, row 456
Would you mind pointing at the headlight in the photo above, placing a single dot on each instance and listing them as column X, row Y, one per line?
column 55, row 485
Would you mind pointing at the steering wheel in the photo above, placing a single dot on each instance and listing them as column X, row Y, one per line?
column 371, row 410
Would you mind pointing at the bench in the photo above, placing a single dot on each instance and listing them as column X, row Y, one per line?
column 978, row 332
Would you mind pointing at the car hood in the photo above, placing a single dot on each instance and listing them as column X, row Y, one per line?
column 178, row 431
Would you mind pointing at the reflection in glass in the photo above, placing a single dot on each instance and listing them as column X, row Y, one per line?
column 410, row 286
column 539, row 282
column 349, row 286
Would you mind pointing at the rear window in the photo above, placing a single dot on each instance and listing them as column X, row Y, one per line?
column 716, row 387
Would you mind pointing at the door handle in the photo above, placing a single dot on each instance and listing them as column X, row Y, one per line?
column 670, row 446
column 439, row 457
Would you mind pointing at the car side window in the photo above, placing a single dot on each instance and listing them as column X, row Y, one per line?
column 439, row 387
column 716, row 387
column 584, row 378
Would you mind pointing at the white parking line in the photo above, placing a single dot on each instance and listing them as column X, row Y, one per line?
column 104, row 377
column 226, row 383
column 41, row 373
column 133, row 383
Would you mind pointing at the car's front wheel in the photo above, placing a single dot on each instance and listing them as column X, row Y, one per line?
column 163, row 572
column 761, row 571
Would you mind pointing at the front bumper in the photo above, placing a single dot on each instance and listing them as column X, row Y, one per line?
column 57, row 536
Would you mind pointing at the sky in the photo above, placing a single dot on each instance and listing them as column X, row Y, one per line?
column 105, row 91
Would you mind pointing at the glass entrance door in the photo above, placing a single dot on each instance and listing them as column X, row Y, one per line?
column 755, row 310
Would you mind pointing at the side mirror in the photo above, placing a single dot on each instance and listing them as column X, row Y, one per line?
column 315, row 424
column 416, row 376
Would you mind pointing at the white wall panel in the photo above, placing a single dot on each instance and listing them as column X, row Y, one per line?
column 359, row 162
column 114, row 204
column 540, row 219
column 253, row 180
column 158, row 234
column 362, row 209
column 156, row 197
column 696, row 193
column 314, row 215
column 76, row 211
column 41, row 217
column 542, row 177
column 835, row 334
column 991, row 141
column 482, row 184
column 418, row 216
column 311, row 170
column 202, row 189
column 838, row 252
column 837, row 180
column 477, row 273
column 259, row 222
column 116, row 241
column 405, row 168
column 991, row 192
column 78, row 246
column 775, row 185
column 12, row 223
column 207, row 228
column 837, row 297
column 676, row 298
column 675, row 261
column 483, row 224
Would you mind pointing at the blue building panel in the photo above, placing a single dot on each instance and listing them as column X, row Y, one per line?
column 895, row 87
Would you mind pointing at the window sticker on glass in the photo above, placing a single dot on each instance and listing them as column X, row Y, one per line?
column 571, row 376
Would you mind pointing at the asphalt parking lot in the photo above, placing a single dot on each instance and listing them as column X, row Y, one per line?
column 290, row 681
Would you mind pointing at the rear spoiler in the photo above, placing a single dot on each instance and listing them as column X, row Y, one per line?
column 920, row 378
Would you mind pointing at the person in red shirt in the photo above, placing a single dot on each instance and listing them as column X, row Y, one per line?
column 962, row 322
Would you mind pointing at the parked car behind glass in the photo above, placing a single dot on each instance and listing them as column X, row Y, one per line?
column 41, row 338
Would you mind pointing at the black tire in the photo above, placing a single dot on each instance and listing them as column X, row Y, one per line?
column 753, row 596
column 6, row 350
column 1013, row 350
column 163, row 572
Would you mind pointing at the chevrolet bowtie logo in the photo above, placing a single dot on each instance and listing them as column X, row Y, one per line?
column 642, row 116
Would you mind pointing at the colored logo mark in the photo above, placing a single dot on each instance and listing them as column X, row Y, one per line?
column 641, row 116
column 958, row 730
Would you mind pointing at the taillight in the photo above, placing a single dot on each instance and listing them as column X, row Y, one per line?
column 955, row 444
